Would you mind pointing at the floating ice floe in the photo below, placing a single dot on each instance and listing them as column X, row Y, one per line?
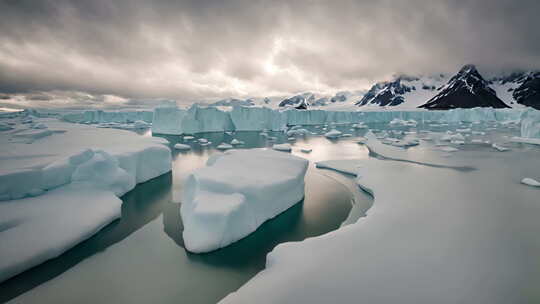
column 182, row 147
column 188, row 137
column 530, row 182
column 54, row 200
column 235, row 193
column 282, row 147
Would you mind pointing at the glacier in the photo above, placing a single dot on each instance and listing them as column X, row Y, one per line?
column 530, row 124
column 235, row 193
column 197, row 119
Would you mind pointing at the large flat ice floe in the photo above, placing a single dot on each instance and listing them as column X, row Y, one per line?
column 235, row 193
column 422, row 242
column 60, row 189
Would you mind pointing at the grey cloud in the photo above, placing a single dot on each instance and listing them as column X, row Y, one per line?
column 199, row 50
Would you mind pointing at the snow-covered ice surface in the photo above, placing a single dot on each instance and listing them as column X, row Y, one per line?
column 237, row 192
column 435, row 234
column 77, row 169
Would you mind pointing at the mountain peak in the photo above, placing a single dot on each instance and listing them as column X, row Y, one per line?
column 468, row 68
column 467, row 89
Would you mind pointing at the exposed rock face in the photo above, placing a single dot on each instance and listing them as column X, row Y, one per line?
column 387, row 93
column 528, row 93
column 467, row 89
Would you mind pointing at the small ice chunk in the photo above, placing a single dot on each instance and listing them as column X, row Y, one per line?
column 499, row 148
column 297, row 132
column 282, row 147
column 182, row 147
column 448, row 149
column 188, row 137
column 333, row 134
column 458, row 142
column 224, row 146
column 359, row 126
column 530, row 182
column 203, row 140
column 236, row 142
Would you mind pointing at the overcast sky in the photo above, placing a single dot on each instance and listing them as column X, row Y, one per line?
column 104, row 52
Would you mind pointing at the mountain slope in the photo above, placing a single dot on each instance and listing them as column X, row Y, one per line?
column 528, row 93
column 467, row 89
column 403, row 92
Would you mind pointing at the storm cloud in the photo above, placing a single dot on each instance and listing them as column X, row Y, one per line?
column 199, row 50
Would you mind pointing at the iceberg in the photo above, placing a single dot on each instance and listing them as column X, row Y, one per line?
column 235, row 193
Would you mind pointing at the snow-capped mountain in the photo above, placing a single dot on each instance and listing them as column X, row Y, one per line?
column 519, row 89
column 402, row 92
column 467, row 89
column 311, row 100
